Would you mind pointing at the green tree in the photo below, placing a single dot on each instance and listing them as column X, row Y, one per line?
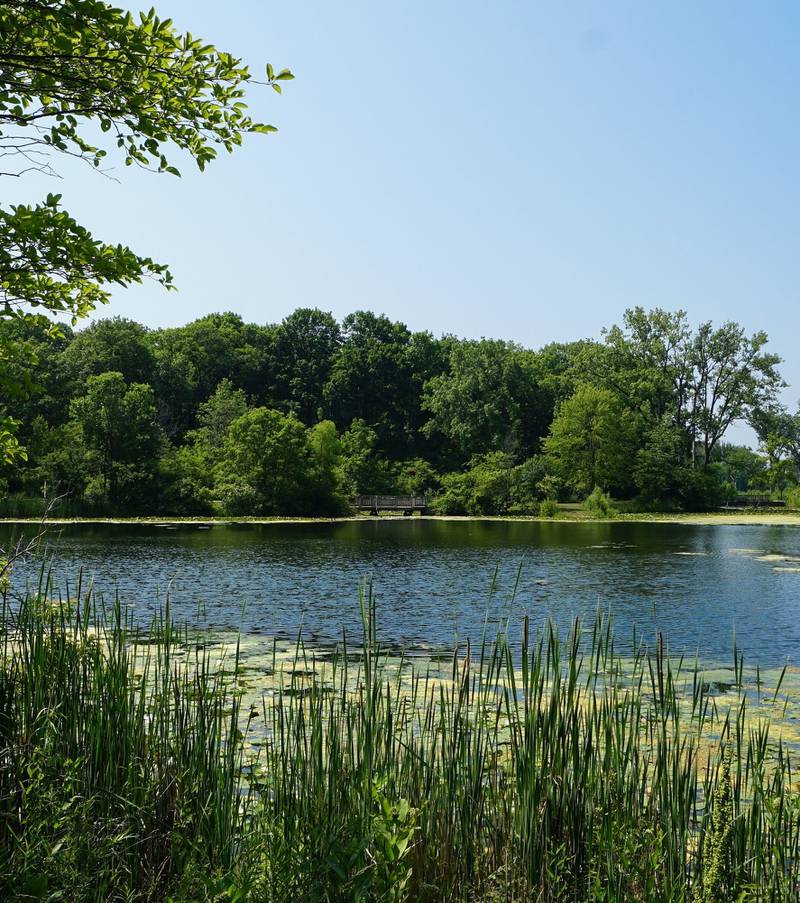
column 192, row 360
column 530, row 485
column 371, row 379
column 188, row 470
column 187, row 480
column 362, row 469
column 781, row 470
column 114, row 344
column 773, row 423
column 36, row 382
column 701, row 381
column 59, row 461
column 487, row 400
column 215, row 415
column 660, row 462
column 484, row 488
column 732, row 376
column 591, row 441
column 323, row 489
column 264, row 464
column 741, row 464
column 663, row 476
column 75, row 69
column 415, row 477
column 305, row 345
column 646, row 362
column 120, row 427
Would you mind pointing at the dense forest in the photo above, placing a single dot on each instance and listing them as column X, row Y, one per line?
column 223, row 416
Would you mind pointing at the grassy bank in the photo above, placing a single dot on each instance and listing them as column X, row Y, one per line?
column 574, row 513
column 132, row 767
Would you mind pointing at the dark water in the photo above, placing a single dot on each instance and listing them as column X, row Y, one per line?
column 433, row 578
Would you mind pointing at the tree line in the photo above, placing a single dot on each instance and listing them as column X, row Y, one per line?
column 229, row 417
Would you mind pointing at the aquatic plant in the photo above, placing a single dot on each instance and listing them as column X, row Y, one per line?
column 140, row 765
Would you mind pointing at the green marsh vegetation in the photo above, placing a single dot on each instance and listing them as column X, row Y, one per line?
column 143, row 765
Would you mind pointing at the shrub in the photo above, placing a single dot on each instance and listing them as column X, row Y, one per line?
column 701, row 488
column 793, row 498
column 548, row 508
column 599, row 504
column 415, row 477
column 484, row 489
column 526, row 491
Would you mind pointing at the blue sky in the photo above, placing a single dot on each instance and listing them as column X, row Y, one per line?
column 508, row 169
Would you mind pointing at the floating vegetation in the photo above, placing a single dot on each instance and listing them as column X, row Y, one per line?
column 246, row 768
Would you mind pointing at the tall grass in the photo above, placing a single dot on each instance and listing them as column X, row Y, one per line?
column 555, row 770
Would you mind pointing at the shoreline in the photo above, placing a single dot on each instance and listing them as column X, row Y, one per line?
column 739, row 518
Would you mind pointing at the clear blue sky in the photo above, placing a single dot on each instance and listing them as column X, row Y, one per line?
column 511, row 169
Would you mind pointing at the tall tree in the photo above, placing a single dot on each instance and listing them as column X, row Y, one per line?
column 115, row 344
column 305, row 344
column 774, row 424
column 701, row 381
column 487, row 400
column 192, row 360
column 217, row 414
column 732, row 376
column 371, row 379
column 591, row 441
column 120, row 426
column 264, row 464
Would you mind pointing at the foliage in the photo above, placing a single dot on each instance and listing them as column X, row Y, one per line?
column 660, row 464
column 415, row 477
column 582, row 761
column 120, row 426
column 324, row 491
column 591, row 441
column 701, row 382
column 549, row 508
column 73, row 70
column 487, row 400
column 362, row 469
column 742, row 466
column 485, row 488
column 427, row 409
column 305, row 346
column 113, row 344
column 215, row 416
column 191, row 361
column 370, row 378
column 599, row 504
column 263, row 464
column 529, row 485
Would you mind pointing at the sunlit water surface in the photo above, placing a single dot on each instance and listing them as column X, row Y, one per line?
column 441, row 581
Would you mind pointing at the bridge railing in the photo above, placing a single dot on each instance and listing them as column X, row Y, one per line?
column 391, row 502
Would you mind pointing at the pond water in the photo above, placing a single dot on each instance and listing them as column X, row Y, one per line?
column 699, row 585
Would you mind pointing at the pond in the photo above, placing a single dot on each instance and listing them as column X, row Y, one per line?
column 699, row 585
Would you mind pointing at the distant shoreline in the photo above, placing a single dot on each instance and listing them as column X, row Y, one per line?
column 722, row 518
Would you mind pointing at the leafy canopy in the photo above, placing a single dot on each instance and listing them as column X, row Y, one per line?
column 73, row 72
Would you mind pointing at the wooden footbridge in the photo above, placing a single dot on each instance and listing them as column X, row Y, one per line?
column 408, row 504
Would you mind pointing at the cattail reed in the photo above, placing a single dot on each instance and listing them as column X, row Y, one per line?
column 549, row 770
